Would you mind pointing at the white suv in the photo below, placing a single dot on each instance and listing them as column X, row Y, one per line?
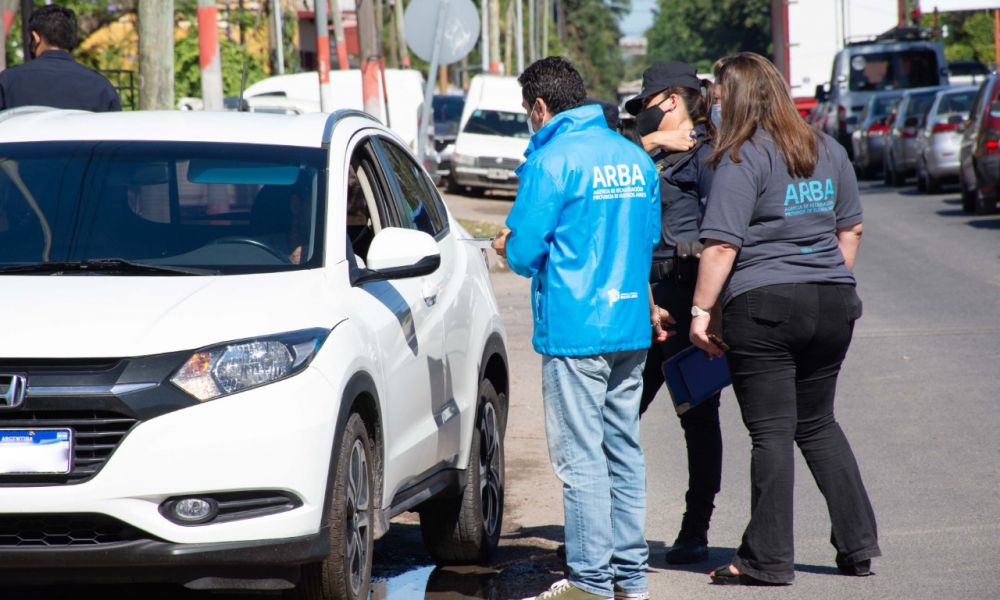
column 234, row 346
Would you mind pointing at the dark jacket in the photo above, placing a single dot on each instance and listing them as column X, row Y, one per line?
column 55, row 79
column 685, row 181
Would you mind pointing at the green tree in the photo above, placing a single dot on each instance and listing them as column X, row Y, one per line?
column 700, row 31
column 593, row 32
column 187, row 69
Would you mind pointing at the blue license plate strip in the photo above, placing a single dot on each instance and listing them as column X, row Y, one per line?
column 36, row 451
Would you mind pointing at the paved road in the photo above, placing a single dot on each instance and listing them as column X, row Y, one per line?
column 918, row 399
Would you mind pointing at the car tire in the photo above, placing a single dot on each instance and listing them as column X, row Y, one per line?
column 886, row 175
column 466, row 529
column 968, row 198
column 921, row 180
column 984, row 205
column 451, row 187
column 895, row 179
column 346, row 573
column 933, row 184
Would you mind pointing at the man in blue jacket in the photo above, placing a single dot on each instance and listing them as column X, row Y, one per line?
column 583, row 227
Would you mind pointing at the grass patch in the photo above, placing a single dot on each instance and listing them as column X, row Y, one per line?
column 480, row 228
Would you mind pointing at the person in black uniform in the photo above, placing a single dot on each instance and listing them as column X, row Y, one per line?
column 673, row 118
column 54, row 78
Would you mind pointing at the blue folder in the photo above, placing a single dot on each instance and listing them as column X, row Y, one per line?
column 692, row 377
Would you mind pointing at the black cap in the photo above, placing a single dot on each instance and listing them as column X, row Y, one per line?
column 662, row 76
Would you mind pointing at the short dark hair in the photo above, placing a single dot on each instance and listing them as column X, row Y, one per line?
column 56, row 25
column 554, row 80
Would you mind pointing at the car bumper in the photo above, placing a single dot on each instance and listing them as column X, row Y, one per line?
column 260, row 440
column 484, row 178
column 261, row 565
column 875, row 151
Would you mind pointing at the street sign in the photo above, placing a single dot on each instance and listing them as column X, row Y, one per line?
column 459, row 24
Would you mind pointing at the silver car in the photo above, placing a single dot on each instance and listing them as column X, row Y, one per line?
column 901, row 146
column 869, row 138
column 939, row 140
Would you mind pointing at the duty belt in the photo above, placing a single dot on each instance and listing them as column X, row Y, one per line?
column 661, row 269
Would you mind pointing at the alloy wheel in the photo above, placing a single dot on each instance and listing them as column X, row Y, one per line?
column 358, row 515
column 490, row 476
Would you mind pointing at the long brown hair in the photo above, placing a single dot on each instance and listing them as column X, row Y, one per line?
column 698, row 102
column 754, row 96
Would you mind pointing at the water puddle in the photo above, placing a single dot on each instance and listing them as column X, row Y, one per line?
column 439, row 583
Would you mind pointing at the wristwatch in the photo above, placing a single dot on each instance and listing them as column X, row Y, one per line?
column 699, row 312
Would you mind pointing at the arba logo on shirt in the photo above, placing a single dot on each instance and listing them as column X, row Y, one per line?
column 808, row 197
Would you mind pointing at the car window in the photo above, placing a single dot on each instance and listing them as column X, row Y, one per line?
column 368, row 200
column 448, row 108
column 955, row 103
column 496, row 122
column 978, row 101
column 416, row 204
column 882, row 106
column 228, row 208
column 893, row 70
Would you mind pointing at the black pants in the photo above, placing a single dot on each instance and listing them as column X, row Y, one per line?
column 700, row 424
column 787, row 344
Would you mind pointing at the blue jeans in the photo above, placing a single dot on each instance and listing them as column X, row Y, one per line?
column 592, row 427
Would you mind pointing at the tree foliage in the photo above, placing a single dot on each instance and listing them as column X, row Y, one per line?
column 700, row 31
column 593, row 32
column 970, row 34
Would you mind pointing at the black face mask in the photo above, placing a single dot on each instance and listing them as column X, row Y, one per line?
column 648, row 121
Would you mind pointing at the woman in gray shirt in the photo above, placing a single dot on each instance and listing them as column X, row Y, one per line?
column 781, row 230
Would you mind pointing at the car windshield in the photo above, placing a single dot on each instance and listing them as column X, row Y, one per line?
column 956, row 103
column 448, row 109
column 919, row 104
column 495, row 122
column 191, row 207
column 893, row 70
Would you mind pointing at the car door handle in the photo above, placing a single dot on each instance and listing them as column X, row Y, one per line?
column 430, row 292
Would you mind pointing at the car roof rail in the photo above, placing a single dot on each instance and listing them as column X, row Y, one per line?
column 336, row 116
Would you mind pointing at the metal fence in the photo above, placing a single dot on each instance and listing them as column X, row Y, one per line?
column 123, row 80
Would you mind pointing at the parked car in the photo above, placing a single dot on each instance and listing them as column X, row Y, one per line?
column 243, row 342
column 901, row 58
column 901, row 146
column 967, row 72
column 447, row 117
column 939, row 139
column 869, row 138
column 979, row 152
column 492, row 138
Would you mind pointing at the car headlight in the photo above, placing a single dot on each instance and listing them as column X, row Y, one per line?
column 229, row 368
column 462, row 159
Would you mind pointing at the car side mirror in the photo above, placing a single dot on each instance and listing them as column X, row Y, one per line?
column 821, row 93
column 397, row 253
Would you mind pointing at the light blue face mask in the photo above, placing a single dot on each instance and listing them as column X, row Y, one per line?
column 531, row 126
column 717, row 115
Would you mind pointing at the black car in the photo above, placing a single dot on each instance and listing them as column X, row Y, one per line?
column 979, row 153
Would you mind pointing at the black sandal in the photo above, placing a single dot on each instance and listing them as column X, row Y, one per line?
column 861, row 568
column 724, row 576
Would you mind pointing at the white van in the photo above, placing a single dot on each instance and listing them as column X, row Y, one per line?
column 301, row 90
column 493, row 135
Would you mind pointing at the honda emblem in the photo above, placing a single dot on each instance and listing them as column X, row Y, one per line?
column 12, row 389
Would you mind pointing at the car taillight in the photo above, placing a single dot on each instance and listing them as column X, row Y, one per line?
column 944, row 127
column 908, row 133
column 878, row 128
column 842, row 117
column 991, row 146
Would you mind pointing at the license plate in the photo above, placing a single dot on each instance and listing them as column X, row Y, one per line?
column 503, row 174
column 35, row 451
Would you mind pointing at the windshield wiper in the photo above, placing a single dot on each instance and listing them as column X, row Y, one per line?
column 104, row 265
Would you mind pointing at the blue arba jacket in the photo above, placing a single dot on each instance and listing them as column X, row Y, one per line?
column 584, row 224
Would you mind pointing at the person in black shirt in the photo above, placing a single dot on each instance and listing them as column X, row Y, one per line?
column 54, row 78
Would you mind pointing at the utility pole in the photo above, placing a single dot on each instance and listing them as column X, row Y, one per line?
column 484, row 34
column 494, row 36
column 8, row 18
column 27, row 7
column 519, row 35
column 532, row 32
column 338, row 33
column 370, row 56
column 156, row 54
column 546, row 9
column 404, row 54
column 208, row 55
column 508, row 40
column 323, row 56
column 393, row 59
column 279, row 36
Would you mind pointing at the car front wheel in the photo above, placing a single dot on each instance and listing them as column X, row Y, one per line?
column 346, row 573
column 466, row 529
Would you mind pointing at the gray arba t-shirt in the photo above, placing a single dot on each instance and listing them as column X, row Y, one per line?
column 786, row 227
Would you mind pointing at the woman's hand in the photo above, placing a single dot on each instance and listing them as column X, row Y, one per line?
column 700, row 328
column 674, row 140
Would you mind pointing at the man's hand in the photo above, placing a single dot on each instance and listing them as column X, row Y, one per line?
column 500, row 242
column 661, row 320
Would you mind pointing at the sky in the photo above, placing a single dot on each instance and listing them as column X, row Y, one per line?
column 641, row 17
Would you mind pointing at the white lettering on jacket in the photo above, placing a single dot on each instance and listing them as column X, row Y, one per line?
column 618, row 182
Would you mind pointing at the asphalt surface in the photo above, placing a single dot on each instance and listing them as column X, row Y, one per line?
column 918, row 400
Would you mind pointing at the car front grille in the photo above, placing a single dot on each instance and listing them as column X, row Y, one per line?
column 64, row 530
column 487, row 162
column 96, row 435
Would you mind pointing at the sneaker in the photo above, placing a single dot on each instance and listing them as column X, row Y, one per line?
column 564, row 590
column 621, row 594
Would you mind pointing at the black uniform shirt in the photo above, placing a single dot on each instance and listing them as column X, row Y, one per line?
column 685, row 182
column 55, row 79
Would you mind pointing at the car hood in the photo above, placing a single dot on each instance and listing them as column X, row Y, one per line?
column 99, row 316
column 474, row 144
